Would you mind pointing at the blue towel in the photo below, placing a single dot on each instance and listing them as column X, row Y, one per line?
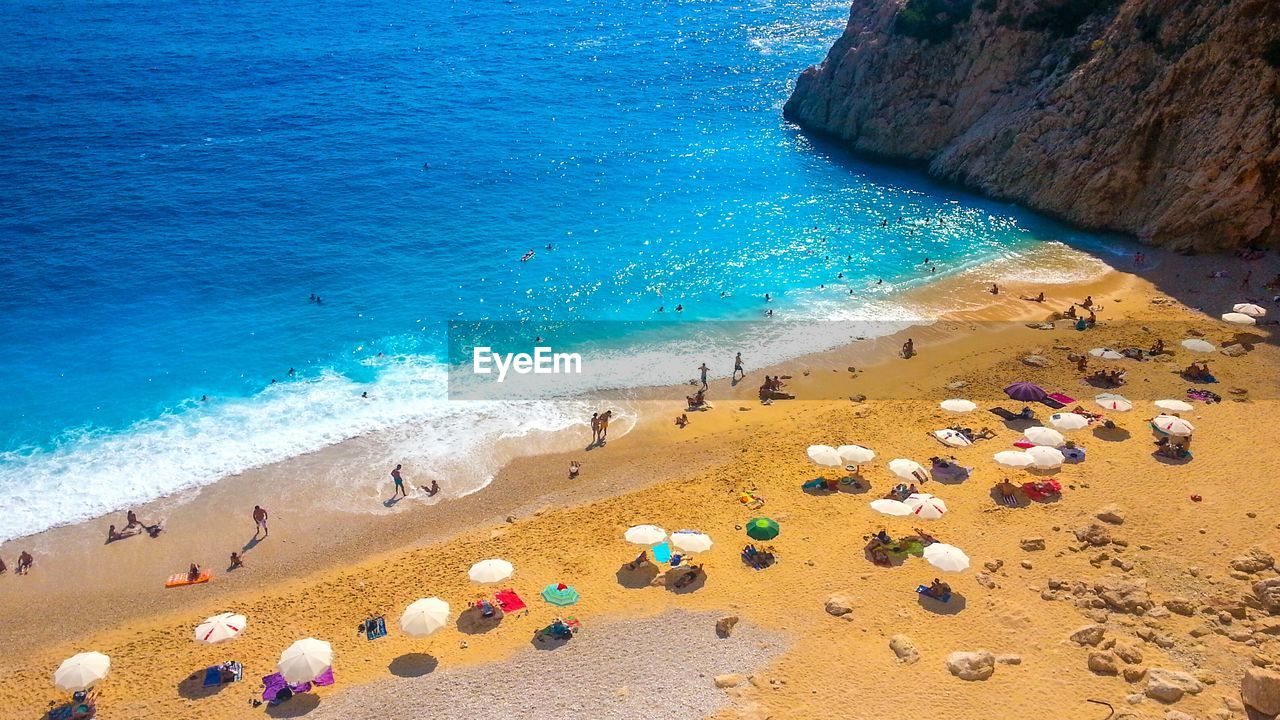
column 212, row 676
column 924, row 590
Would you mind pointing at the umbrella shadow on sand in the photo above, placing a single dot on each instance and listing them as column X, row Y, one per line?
column 473, row 622
column 954, row 606
column 672, row 577
column 411, row 665
column 1116, row 434
column 641, row 577
column 296, row 706
column 1166, row 460
column 192, row 687
column 542, row 641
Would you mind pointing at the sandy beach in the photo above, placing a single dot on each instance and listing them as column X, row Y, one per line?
column 1155, row 572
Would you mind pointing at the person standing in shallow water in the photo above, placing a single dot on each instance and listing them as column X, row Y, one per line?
column 399, row 480
column 704, row 370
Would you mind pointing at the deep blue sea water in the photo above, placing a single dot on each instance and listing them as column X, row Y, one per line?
column 176, row 178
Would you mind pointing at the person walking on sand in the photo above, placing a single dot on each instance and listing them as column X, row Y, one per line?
column 595, row 428
column 737, row 367
column 395, row 475
column 604, row 426
column 704, row 370
column 259, row 522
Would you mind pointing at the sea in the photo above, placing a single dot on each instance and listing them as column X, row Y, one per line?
column 180, row 182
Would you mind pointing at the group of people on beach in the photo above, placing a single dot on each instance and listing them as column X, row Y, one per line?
column 25, row 561
column 397, row 479
column 134, row 526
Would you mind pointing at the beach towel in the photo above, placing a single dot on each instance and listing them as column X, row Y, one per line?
column 274, row 687
column 1206, row 396
column 1004, row 414
column 213, row 675
column 1061, row 398
column 73, row 711
column 324, row 679
column 924, row 590
column 375, row 628
column 509, row 601
column 662, row 552
column 180, row 579
column 1073, row 455
column 1023, row 443
column 951, row 438
column 1042, row 490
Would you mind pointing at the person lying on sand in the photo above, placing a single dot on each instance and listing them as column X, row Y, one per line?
column 1027, row 413
column 925, row 537
column 641, row 559
column 682, row 420
column 575, row 467
column 689, row 576
column 1038, row 298
column 1008, row 492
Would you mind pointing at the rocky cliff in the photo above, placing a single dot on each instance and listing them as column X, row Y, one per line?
column 1158, row 118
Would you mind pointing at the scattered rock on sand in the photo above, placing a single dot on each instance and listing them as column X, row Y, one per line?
column 1168, row 686
column 1032, row 544
column 1255, row 561
column 1177, row 715
column 724, row 626
column 1111, row 514
column 1235, row 350
column 904, row 648
column 1093, row 534
column 838, row 605
column 728, row 680
column 1260, row 690
column 1039, row 361
column 1127, row 595
column 1133, row 673
column 986, row 581
column 1009, row 659
column 1181, row 606
column 1128, row 653
column 1104, row 662
column 975, row 665
column 1089, row 635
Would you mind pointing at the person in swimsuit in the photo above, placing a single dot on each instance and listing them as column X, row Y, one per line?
column 395, row 475
column 737, row 366
column 259, row 521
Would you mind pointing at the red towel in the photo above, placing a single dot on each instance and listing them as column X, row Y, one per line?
column 509, row 601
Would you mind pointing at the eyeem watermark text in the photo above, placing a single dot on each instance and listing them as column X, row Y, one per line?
column 543, row 361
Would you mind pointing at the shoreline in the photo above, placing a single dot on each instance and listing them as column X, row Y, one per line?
column 532, row 489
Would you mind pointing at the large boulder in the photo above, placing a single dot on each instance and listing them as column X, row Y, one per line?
column 1268, row 594
column 1260, row 690
column 975, row 665
column 1255, row 561
column 1168, row 686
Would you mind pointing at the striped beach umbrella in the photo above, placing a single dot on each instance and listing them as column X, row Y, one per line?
column 560, row 594
column 1112, row 401
column 220, row 628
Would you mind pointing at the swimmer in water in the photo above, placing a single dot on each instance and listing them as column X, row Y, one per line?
column 679, row 308
column 767, row 298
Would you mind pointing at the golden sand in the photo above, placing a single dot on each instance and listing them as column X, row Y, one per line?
column 320, row 574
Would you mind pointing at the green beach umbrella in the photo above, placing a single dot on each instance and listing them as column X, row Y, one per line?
column 560, row 594
column 763, row 529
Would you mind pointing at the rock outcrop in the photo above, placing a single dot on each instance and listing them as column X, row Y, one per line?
column 1158, row 118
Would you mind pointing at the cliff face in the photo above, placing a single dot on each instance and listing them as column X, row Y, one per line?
column 1159, row 118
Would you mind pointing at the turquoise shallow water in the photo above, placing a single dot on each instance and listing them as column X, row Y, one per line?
column 177, row 178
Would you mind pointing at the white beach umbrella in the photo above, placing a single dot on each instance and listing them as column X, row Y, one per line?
column 305, row 660
column 81, row 672
column 1068, row 421
column 924, row 505
column 220, row 628
column 1111, row 401
column 948, row 558
column 1044, row 436
column 690, row 541
column 892, row 507
column 1250, row 309
column 424, row 617
column 644, row 535
column 1173, row 425
column 1106, row 354
column 1174, row 405
column 1239, row 318
column 1013, row 459
column 825, row 455
column 906, row 469
column 855, row 454
column 952, row 438
column 491, row 571
column 958, row 406
column 1197, row 345
column 1046, row 457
